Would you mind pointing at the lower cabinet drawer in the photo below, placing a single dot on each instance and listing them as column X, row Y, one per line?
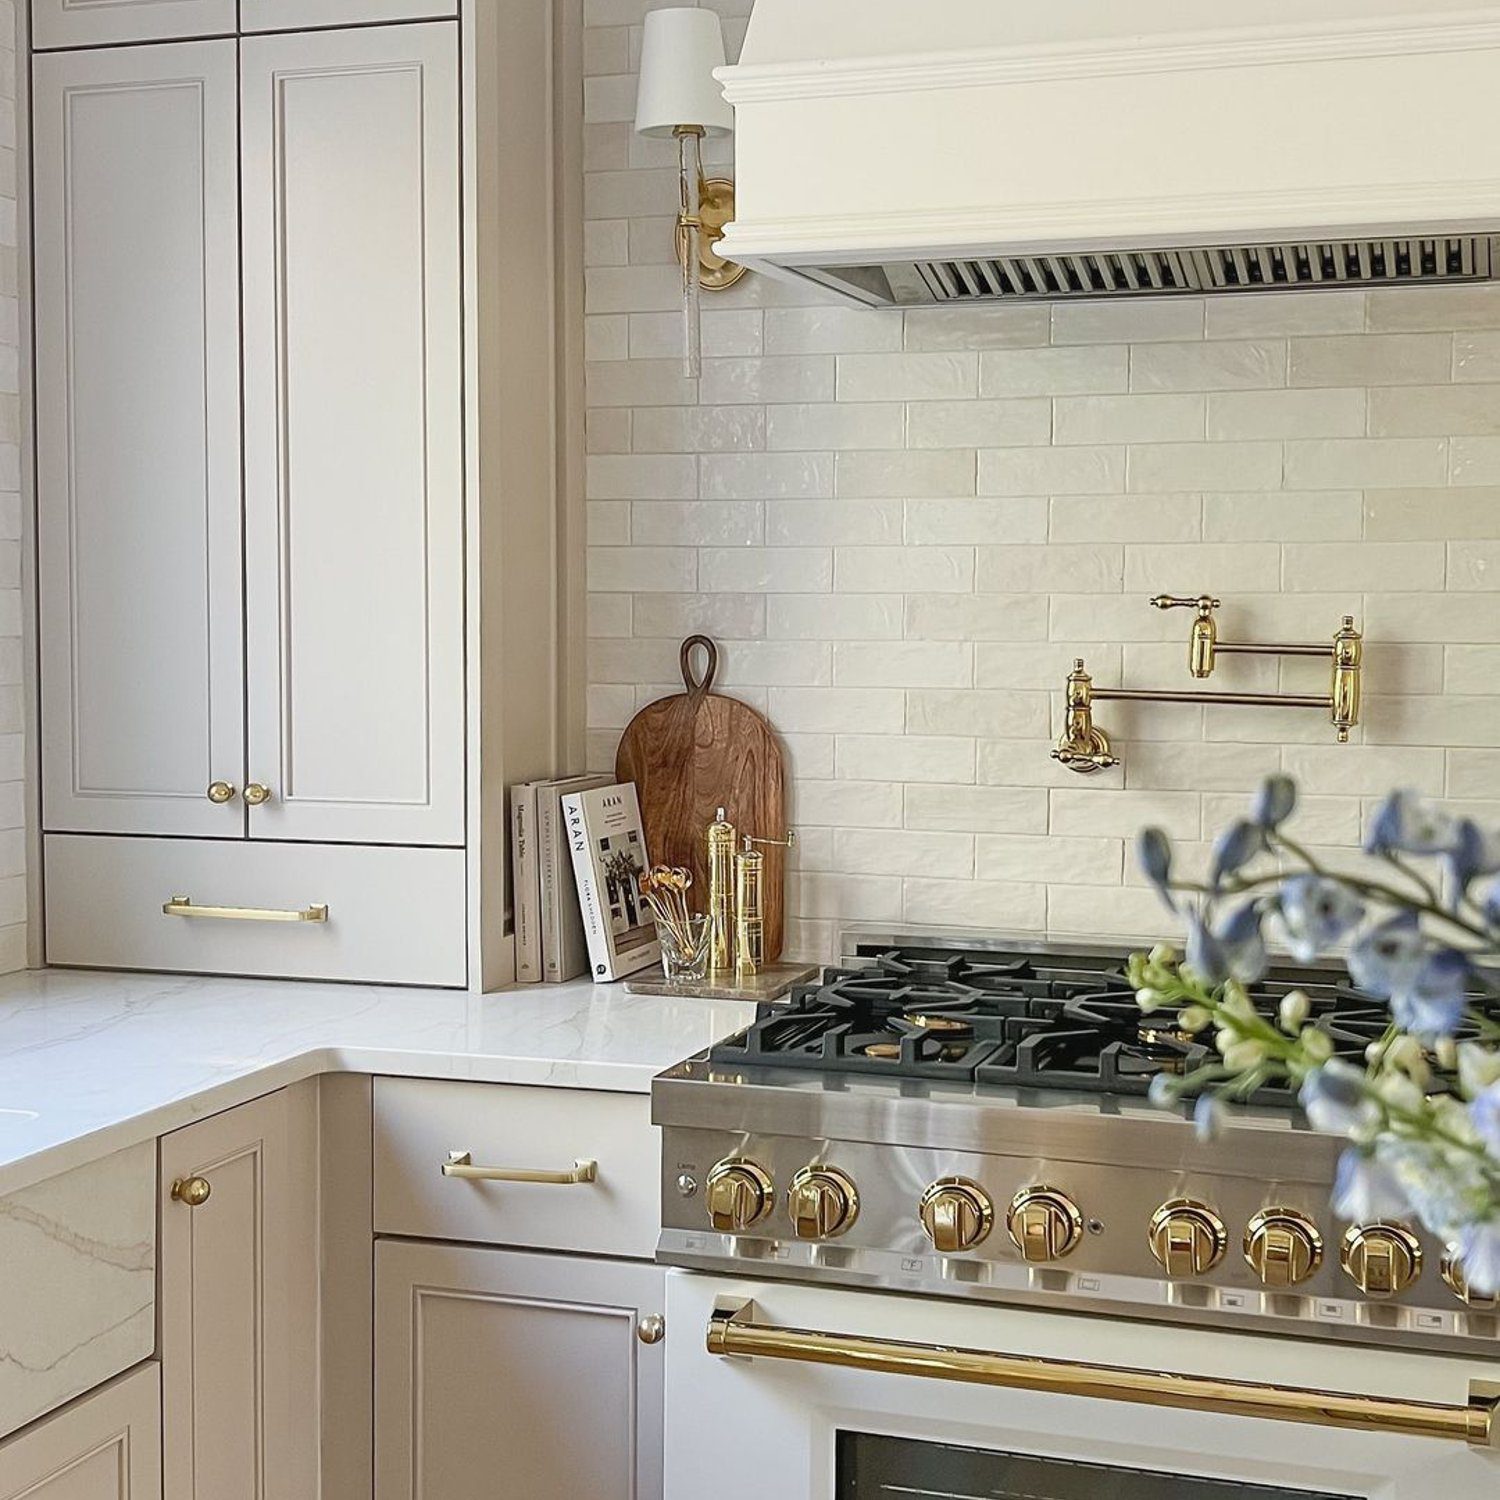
column 392, row 915
column 105, row 1446
column 418, row 1124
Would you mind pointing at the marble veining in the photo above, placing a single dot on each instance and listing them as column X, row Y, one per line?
column 78, row 1297
column 92, row 1062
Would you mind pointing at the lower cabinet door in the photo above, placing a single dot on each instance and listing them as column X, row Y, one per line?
column 239, row 1302
column 105, row 1446
column 504, row 1373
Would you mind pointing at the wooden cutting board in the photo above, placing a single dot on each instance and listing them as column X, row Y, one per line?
column 696, row 752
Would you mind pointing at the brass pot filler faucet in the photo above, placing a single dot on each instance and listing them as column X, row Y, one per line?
column 1085, row 748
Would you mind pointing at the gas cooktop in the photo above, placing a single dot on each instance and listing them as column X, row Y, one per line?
column 1028, row 1020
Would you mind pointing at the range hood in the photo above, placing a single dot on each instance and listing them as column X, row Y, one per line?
column 955, row 151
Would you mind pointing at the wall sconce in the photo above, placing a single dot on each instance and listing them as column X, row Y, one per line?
column 1085, row 748
column 679, row 96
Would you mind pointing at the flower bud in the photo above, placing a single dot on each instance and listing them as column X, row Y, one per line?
column 1195, row 1019
column 1241, row 1057
column 1293, row 1012
column 1317, row 1045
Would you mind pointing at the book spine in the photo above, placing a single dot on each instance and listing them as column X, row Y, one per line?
column 547, row 846
column 525, row 896
column 595, row 928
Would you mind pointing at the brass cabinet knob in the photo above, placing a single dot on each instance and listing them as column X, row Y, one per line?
column 1382, row 1260
column 220, row 792
column 1187, row 1237
column 194, row 1191
column 256, row 794
column 651, row 1330
column 739, row 1195
column 823, row 1202
column 1283, row 1247
column 1458, row 1284
column 1044, row 1224
column 957, row 1214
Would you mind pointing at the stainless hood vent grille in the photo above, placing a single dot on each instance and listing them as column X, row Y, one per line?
column 1155, row 273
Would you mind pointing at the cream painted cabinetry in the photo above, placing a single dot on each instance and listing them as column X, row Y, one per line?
column 287, row 15
column 275, row 664
column 92, row 23
column 105, row 1446
column 238, row 1302
column 525, row 1372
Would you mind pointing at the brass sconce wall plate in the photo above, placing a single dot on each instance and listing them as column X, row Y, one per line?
column 1085, row 748
column 716, row 209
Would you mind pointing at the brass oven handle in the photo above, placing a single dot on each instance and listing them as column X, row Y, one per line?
column 461, row 1164
column 185, row 906
column 735, row 1331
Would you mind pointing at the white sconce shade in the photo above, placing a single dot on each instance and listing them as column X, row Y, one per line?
column 682, row 47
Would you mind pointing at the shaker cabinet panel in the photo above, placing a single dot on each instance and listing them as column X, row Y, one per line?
column 238, row 1303
column 526, row 1372
column 91, row 23
column 353, row 434
column 105, row 1446
column 138, row 438
column 285, row 15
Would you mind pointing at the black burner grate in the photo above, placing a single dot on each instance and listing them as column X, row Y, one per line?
column 1029, row 1021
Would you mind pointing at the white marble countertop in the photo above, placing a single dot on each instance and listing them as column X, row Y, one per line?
column 91, row 1062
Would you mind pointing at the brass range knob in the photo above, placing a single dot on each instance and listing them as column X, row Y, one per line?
column 256, row 794
column 193, row 1191
column 957, row 1214
column 739, row 1195
column 1044, row 1224
column 1458, row 1284
column 220, row 792
column 1382, row 1260
column 1187, row 1237
column 1283, row 1247
column 823, row 1203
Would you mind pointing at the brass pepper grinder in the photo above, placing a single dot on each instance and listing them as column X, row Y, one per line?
column 749, row 902
column 721, row 842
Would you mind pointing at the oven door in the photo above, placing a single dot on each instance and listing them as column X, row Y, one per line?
column 815, row 1393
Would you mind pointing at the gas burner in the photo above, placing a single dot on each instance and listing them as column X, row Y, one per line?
column 1030, row 1021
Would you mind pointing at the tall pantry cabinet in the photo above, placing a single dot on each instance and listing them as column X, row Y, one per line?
column 258, row 511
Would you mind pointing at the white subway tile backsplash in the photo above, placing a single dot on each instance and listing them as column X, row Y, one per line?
column 903, row 526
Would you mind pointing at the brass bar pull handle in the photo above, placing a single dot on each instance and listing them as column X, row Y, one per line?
column 461, row 1164
column 735, row 1331
column 185, row 906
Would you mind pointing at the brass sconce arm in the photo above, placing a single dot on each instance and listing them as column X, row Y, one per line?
column 1085, row 748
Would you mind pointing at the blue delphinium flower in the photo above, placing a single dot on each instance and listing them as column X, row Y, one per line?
column 1275, row 801
column 1405, row 824
column 1388, row 959
column 1433, row 1004
column 1208, row 1117
column 1204, row 953
column 1153, row 851
column 1242, row 942
column 1475, row 851
column 1479, row 1254
column 1335, row 1101
column 1365, row 1190
column 1484, row 1113
column 1316, row 913
column 1234, row 849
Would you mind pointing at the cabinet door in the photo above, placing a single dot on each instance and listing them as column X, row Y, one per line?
column 526, row 1372
column 284, row 15
column 138, row 459
column 90, row 23
column 238, row 1304
column 105, row 1446
column 353, row 434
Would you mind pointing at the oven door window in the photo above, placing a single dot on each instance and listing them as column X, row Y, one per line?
column 891, row 1468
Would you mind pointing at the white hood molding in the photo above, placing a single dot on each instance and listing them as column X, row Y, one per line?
column 980, row 149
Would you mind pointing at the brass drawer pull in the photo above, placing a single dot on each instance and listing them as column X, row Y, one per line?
column 220, row 792
column 257, row 794
column 461, row 1164
column 194, row 1191
column 734, row 1331
column 185, row 906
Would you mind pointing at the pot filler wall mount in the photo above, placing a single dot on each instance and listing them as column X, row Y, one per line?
column 1084, row 747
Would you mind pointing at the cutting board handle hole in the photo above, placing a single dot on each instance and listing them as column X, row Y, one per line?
column 711, row 654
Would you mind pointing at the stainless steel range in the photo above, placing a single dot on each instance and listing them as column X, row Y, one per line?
column 972, row 1123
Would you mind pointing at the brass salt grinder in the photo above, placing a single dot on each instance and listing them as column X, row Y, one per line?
column 749, row 902
column 721, row 843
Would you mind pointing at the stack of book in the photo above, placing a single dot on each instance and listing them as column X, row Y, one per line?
column 577, row 854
